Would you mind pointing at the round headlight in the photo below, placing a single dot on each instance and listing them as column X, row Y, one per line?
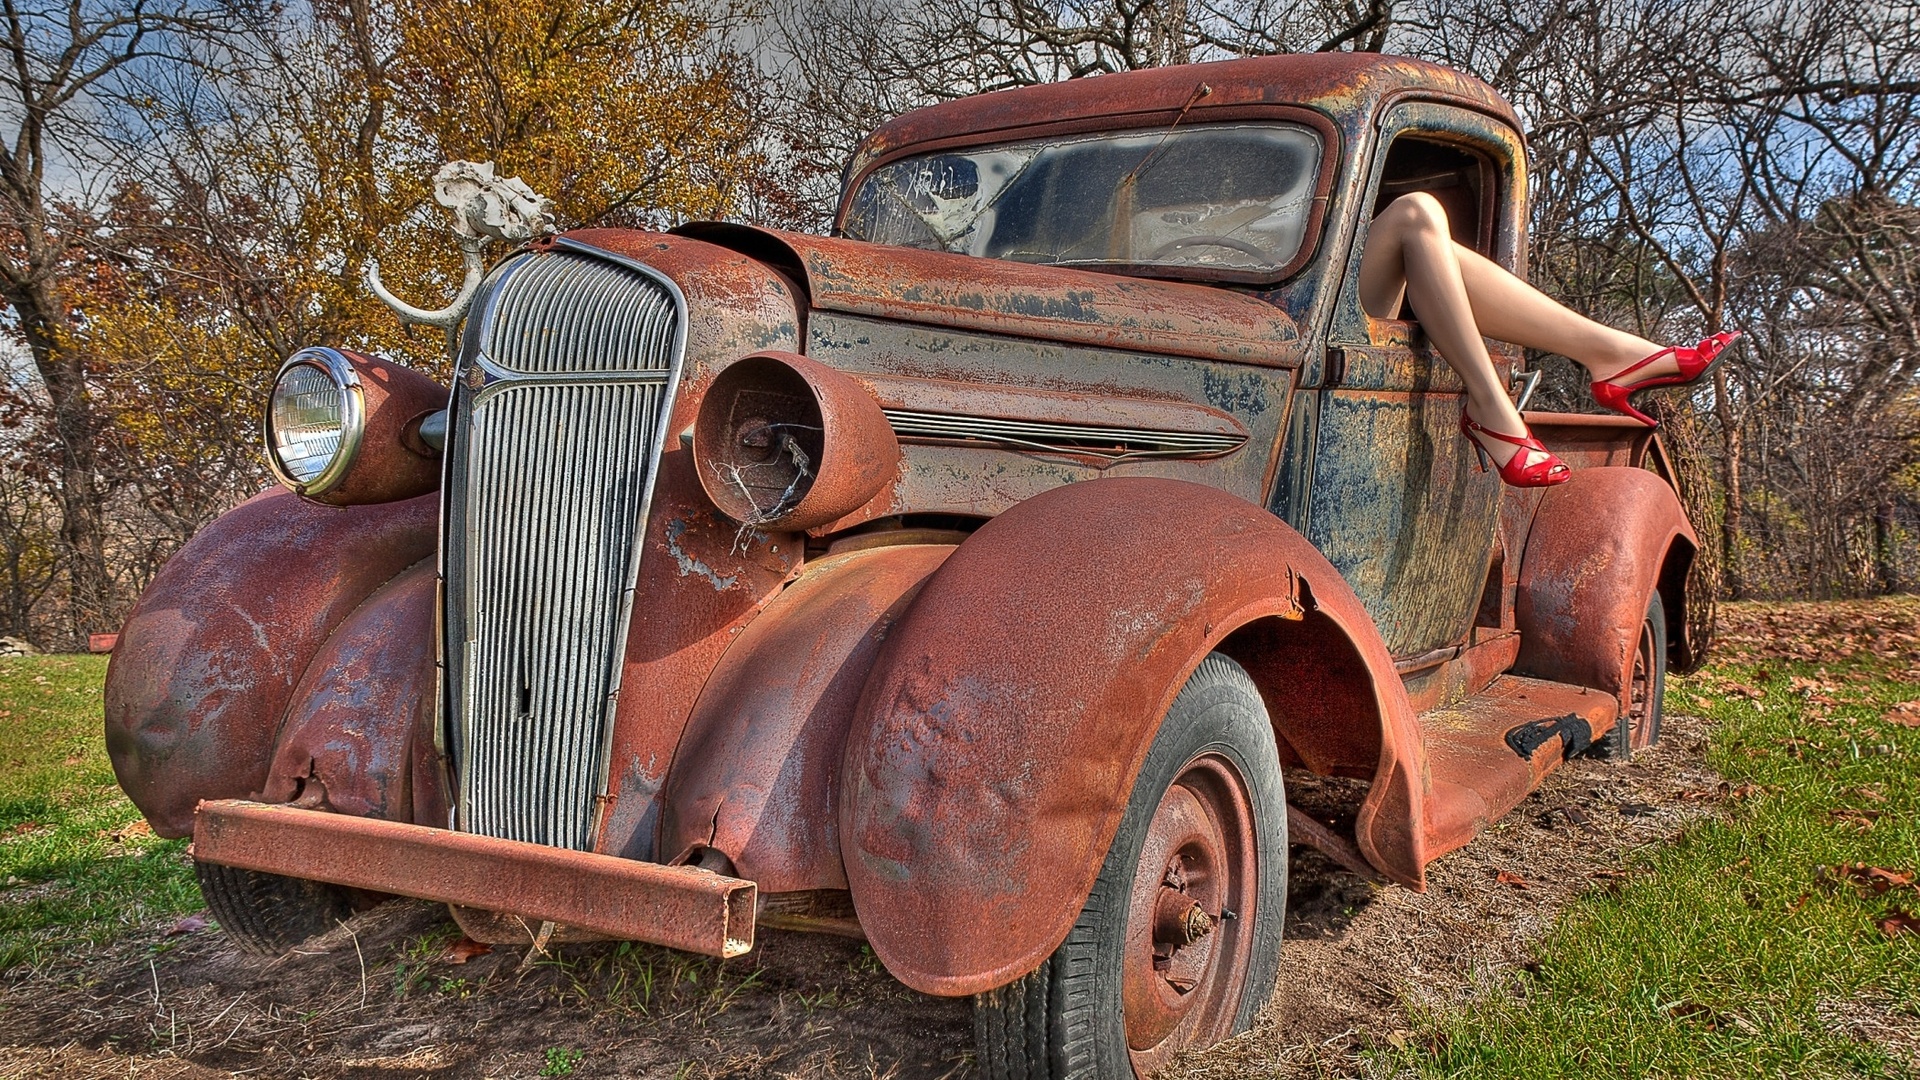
column 315, row 419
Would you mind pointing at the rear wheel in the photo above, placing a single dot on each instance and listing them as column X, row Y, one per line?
column 1646, row 687
column 267, row 914
column 1179, row 942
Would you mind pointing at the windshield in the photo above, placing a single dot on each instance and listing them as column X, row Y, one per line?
column 1223, row 197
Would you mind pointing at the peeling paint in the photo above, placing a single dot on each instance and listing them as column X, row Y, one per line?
column 690, row 566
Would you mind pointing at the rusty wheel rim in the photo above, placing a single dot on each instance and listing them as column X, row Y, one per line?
column 1190, row 914
column 1639, row 719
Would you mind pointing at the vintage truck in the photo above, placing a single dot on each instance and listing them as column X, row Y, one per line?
column 970, row 581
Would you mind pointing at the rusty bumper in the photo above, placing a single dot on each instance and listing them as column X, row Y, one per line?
column 681, row 907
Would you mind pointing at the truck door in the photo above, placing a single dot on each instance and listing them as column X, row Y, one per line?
column 1395, row 500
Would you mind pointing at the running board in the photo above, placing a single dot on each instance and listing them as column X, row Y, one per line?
column 1487, row 753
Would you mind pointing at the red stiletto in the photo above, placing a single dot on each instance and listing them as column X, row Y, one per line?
column 1544, row 472
column 1694, row 362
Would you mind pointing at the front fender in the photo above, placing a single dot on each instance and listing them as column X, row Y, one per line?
column 1009, row 710
column 358, row 738
column 1599, row 546
column 208, row 661
column 757, row 773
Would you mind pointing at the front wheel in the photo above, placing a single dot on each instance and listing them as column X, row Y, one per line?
column 267, row 914
column 1179, row 941
column 1639, row 728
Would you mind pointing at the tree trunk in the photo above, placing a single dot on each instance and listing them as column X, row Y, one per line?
column 62, row 369
column 1733, row 583
column 1886, row 561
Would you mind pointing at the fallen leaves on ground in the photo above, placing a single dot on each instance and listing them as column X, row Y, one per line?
column 1823, row 632
column 1905, row 714
column 1862, row 820
column 1508, row 877
column 1898, row 921
column 1870, row 880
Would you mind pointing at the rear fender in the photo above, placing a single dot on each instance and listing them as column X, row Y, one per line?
column 1599, row 547
column 358, row 738
column 758, row 769
column 208, row 661
column 1011, row 706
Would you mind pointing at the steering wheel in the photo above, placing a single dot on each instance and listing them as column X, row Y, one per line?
column 1209, row 241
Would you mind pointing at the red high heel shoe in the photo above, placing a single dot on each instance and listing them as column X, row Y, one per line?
column 1694, row 362
column 1545, row 472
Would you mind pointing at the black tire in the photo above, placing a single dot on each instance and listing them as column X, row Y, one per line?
column 267, row 914
column 1068, row 1020
column 1640, row 728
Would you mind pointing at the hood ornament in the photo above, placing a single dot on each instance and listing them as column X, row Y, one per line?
column 485, row 208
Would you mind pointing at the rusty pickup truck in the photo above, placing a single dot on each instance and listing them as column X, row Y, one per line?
column 973, row 581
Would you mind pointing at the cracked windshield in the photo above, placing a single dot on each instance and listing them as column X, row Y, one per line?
column 1221, row 197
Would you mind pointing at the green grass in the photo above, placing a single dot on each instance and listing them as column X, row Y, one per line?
column 77, row 863
column 1716, row 957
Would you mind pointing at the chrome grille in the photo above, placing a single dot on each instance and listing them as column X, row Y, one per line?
column 550, row 467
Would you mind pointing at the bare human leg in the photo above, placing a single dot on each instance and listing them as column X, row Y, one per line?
column 1410, row 253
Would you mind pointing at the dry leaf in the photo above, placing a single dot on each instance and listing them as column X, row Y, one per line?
column 1905, row 714
column 1874, row 880
column 1898, row 921
column 466, row 949
column 1508, row 877
column 188, row 925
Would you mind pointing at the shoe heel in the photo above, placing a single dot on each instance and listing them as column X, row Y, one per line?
column 1480, row 453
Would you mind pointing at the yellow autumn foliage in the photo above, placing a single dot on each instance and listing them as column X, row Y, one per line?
column 624, row 112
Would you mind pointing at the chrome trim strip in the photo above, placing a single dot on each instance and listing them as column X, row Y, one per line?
column 1063, row 438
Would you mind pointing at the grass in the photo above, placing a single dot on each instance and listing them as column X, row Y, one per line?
column 1729, row 952
column 78, row 864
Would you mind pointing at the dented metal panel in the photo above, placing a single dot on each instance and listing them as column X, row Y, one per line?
column 208, row 661
column 759, row 772
column 1596, row 553
column 353, row 737
column 1047, row 303
column 1012, row 704
column 983, row 478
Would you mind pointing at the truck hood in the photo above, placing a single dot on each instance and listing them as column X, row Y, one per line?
column 1017, row 299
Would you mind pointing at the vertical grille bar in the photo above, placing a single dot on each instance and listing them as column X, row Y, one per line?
column 565, row 381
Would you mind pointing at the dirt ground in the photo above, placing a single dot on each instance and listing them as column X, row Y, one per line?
column 385, row 998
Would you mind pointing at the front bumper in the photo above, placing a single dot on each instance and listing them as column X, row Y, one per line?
column 681, row 907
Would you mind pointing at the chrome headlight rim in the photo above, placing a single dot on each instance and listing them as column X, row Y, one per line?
column 353, row 420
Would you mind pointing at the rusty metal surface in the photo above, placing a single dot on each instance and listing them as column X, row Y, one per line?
column 1590, row 441
column 1302, row 828
column 759, row 766
column 350, row 741
column 1011, row 706
column 1477, row 774
column 1464, row 674
column 1183, row 967
column 1598, row 547
column 1398, row 506
column 1047, row 303
column 1340, row 83
column 681, row 907
column 1071, row 383
column 703, row 575
column 784, row 442
column 392, row 463
column 210, row 656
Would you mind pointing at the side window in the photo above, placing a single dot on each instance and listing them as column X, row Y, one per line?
column 1462, row 179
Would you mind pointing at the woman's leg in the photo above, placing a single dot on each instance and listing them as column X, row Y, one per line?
column 1410, row 253
column 1509, row 309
